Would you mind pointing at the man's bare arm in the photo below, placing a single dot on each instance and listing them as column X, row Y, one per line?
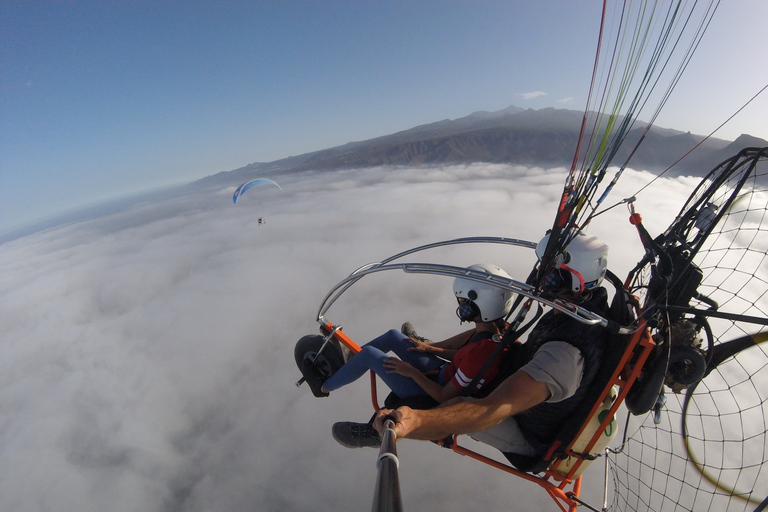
column 516, row 394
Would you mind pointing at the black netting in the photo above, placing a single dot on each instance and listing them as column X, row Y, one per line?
column 709, row 450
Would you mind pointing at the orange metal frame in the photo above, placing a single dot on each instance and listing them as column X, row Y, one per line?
column 638, row 349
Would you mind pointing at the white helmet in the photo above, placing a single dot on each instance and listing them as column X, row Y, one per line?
column 587, row 255
column 485, row 300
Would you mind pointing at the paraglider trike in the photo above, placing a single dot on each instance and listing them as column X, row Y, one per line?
column 559, row 470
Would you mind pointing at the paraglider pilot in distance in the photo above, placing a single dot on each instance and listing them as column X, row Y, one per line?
column 441, row 370
column 548, row 380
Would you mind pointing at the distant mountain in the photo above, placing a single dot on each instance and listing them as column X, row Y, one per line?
column 545, row 137
column 700, row 163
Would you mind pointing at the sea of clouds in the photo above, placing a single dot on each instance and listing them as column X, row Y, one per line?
column 146, row 354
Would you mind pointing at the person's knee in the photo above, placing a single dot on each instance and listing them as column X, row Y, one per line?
column 390, row 340
column 367, row 352
column 394, row 333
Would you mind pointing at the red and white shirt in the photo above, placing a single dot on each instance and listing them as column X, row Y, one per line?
column 469, row 360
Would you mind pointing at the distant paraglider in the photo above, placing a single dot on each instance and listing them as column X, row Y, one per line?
column 250, row 184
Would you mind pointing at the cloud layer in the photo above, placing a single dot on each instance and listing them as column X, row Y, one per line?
column 146, row 360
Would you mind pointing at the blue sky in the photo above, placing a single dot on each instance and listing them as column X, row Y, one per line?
column 105, row 99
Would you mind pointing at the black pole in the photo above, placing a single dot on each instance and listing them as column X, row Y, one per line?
column 387, row 496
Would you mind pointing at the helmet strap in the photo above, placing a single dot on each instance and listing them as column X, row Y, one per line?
column 575, row 274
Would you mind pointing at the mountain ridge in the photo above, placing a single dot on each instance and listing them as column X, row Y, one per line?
column 544, row 137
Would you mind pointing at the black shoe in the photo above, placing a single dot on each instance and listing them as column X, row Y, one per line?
column 408, row 330
column 314, row 377
column 356, row 435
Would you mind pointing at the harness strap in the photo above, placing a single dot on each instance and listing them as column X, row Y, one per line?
column 507, row 339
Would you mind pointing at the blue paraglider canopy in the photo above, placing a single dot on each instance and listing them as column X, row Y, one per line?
column 250, row 184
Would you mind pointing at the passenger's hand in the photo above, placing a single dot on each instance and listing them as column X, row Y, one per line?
column 395, row 365
column 419, row 346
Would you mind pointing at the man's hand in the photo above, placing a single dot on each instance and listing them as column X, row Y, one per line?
column 404, row 417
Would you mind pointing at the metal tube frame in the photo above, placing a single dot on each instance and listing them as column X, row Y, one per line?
column 580, row 314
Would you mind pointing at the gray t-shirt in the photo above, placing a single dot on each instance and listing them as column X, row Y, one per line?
column 560, row 366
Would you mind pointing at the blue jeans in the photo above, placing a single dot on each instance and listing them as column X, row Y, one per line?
column 372, row 357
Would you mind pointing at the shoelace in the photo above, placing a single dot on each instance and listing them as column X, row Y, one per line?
column 363, row 431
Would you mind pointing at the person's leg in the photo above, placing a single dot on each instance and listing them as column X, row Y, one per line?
column 355, row 368
column 506, row 437
column 397, row 342
column 373, row 354
column 371, row 358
